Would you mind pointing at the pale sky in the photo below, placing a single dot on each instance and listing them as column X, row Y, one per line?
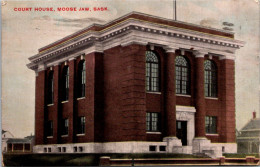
column 23, row 33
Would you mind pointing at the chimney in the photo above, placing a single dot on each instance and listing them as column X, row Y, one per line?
column 254, row 115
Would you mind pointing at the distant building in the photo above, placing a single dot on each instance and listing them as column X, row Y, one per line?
column 5, row 136
column 138, row 84
column 248, row 141
column 20, row 144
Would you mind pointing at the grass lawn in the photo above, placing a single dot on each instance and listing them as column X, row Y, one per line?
column 240, row 155
column 76, row 159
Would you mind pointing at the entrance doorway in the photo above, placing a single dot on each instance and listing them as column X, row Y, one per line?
column 181, row 130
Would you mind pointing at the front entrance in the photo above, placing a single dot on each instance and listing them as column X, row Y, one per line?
column 181, row 129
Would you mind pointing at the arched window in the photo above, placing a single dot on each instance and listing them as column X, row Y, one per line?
column 65, row 82
column 210, row 78
column 50, row 88
column 182, row 71
column 152, row 72
column 81, row 78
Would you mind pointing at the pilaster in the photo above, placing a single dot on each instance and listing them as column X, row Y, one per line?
column 40, row 107
column 71, row 99
column 56, row 75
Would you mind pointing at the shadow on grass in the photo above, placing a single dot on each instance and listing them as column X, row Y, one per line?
column 76, row 159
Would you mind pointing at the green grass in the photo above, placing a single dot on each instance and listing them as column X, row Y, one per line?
column 240, row 155
column 76, row 159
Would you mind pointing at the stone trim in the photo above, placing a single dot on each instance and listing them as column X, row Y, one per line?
column 133, row 27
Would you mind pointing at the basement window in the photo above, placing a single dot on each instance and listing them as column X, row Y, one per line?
column 152, row 148
column 45, row 150
column 64, row 149
column 162, row 148
column 80, row 149
column 59, row 149
column 75, row 149
column 49, row 150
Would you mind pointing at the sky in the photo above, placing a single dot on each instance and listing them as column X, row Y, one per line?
column 23, row 33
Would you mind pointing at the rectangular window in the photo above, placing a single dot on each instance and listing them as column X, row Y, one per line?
column 65, row 126
column 64, row 149
column 211, row 124
column 152, row 122
column 81, row 125
column 49, row 128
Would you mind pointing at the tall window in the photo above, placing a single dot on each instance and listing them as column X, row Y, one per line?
column 210, row 77
column 49, row 128
column 82, row 78
column 211, row 124
column 65, row 126
column 152, row 72
column 65, row 82
column 182, row 71
column 152, row 122
column 81, row 125
column 50, row 88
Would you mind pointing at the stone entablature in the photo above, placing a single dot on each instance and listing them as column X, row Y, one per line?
column 131, row 30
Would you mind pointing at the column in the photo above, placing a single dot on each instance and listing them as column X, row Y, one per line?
column 199, row 95
column 170, row 94
column 170, row 100
column 23, row 147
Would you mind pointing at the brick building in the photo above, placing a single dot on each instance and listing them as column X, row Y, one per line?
column 139, row 83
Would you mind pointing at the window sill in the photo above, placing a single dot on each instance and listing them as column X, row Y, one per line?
column 154, row 93
column 183, row 95
column 213, row 134
column 154, row 133
column 64, row 135
column 211, row 98
column 80, row 134
column 65, row 101
column 49, row 137
column 80, row 98
column 50, row 104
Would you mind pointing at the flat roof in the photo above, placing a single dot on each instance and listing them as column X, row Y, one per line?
column 142, row 17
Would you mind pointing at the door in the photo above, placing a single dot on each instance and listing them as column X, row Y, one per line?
column 181, row 130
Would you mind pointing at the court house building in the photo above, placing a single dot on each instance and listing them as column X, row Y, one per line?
column 138, row 84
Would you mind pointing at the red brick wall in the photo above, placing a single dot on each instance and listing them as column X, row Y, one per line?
column 39, row 108
column 116, row 101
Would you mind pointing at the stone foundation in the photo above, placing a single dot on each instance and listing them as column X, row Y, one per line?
column 169, row 145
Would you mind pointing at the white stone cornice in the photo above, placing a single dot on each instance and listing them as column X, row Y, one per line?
column 229, row 56
column 134, row 31
column 171, row 48
column 200, row 53
column 41, row 67
column 72, row 58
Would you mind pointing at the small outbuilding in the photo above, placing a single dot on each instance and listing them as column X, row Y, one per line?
column 248, row 140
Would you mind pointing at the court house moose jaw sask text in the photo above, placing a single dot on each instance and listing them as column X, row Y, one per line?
column 138, row 84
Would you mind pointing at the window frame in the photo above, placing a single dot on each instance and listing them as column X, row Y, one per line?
column 65, row 83
column 81, row 129
column 151, row 125
column 211, row 125
column 49, row 132
column 210, row 79
column 65, row 127
column 152, row 67
column 50, row 87
column 82, row 78
column 184, row 71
